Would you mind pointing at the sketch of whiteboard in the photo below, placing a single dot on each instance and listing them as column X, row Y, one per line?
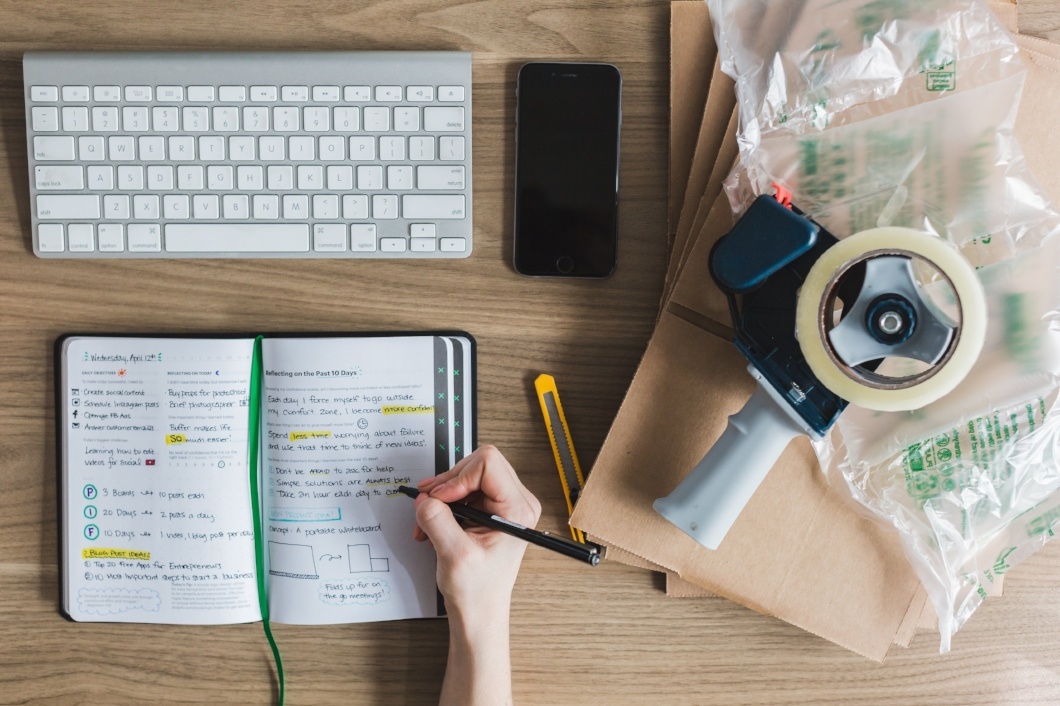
column 362, row 561
column 292, row 560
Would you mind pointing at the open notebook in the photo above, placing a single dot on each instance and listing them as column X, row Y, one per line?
column 155, row 484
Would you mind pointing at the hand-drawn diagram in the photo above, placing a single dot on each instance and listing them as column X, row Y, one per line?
column 292, row 560
column 362, row 561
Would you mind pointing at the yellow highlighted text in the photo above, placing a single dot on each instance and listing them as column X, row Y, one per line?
column 175, row 439
column 104, row 553
column 407, row 409
column 303, row 435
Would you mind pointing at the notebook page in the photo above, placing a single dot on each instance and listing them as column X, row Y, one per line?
column 157, row 523
column 346, row 420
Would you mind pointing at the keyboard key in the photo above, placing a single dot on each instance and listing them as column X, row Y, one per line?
column 263, row 94
column 347, row 119
column 332, row 148
column 295, row 207
column 357, row 94
column 164, row 119
column 225, row 118
column 266, row 207
column 104, row 118
column 303, row 148
column 111, row 237
column 295, row 93
column 272, row 149
column 329, row 237
column 122, row 148
column 175, row 206
column 182, row 148
column 325, row 94
column 376, row 119
column 219, row 178
column 340, row 178
column 363, row 237
column 50, row 237
column 256, row 118
column 106, row 94
column 59, row 178
column 47, row 149
column 90, row 149
column 326, row 207
column 406, row 119
column 160, row 178
column 388, row 94
column 399, row 178
column 101, row 178
column 419, row 94
column 316, row 119
column 443, row 119
column 81, row 237
column 115, row 206
column 200, row 94
column 384, row 206
column 285, row 119
column 451, row 149
column 237, row 237
column 130, row 178
column 241, row 148
column 75, row 94
column 44, row 94
column 281, row 178
column 432, row 206
column 67, row 206
column 452, row 245
column 206, row 207
column 236, row 206
column 152, row 148
column 439, row 178
column 170, row 94
column 134, row 119
column 250, row 178
column 392, row 148
column 75, row 119
column 310, row 178
column 145, row 207
column 423, row 230
column 362, row 149
column 421, row 148
column 453, row 94
column 232, row 94
column 423, row 244
column 138, row 94
column 211, row 148
column 45, row 119
column 145, row 237
column 196, row 119
column 355, row 206
column 393, row 245
column 369, row 178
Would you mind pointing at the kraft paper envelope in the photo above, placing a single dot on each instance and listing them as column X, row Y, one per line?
column 799, row 550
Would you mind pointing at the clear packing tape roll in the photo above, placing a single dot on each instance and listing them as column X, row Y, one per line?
column 901, row 113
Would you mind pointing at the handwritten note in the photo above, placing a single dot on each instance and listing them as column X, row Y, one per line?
column 341, row 434
column 157, row 513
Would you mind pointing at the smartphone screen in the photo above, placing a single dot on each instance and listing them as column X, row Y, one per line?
column 568, row 118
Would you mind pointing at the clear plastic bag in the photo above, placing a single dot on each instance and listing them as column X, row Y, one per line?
column 901, row 112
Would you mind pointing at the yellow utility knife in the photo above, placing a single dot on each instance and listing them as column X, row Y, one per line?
column 570, row 473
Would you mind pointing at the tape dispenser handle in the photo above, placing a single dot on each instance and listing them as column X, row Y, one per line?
column 707, row 502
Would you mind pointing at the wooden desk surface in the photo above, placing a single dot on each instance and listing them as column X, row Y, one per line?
column 580, row 636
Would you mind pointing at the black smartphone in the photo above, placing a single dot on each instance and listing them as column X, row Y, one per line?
column 568, row 118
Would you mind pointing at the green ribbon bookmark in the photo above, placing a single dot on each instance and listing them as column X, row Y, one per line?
column 253, row 439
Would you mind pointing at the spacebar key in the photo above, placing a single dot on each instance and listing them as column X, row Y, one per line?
column 237, row 237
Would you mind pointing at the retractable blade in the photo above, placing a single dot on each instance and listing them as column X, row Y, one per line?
column 570, row 472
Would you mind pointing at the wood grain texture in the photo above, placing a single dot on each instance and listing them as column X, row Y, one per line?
column 607, row 636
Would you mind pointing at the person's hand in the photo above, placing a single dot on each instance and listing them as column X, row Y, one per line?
column 477, row 566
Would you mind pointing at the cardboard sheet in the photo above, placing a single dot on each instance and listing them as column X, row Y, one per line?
column 799, row 551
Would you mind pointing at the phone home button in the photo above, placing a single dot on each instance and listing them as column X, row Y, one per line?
column 565, row 264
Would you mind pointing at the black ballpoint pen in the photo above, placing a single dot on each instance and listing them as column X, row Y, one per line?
column 588, row 552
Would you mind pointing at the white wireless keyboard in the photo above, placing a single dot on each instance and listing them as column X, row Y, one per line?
column 273, row 154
